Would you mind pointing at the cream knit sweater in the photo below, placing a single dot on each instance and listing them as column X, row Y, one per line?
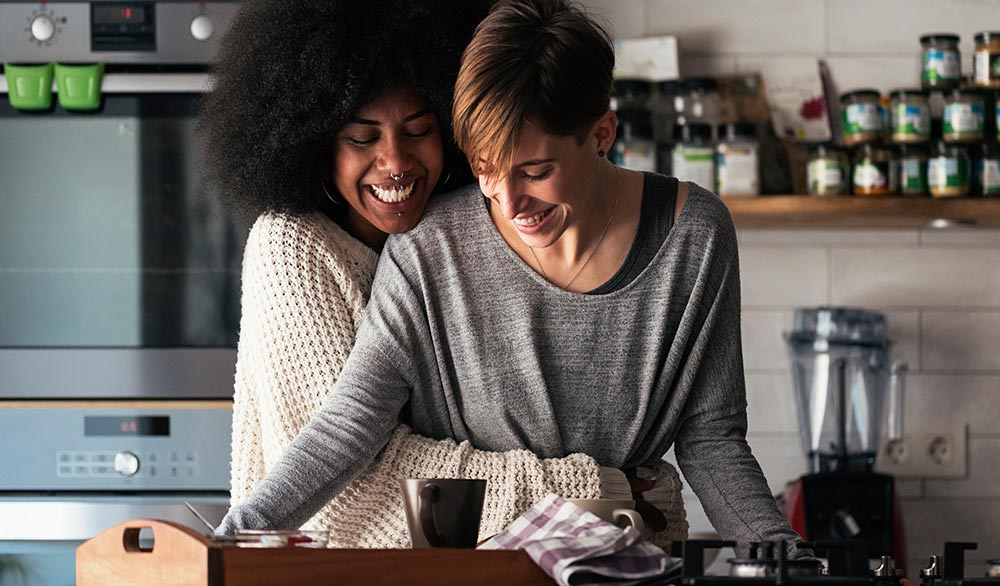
column 305, row 285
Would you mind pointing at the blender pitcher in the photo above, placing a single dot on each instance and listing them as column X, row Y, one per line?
column 845, row 382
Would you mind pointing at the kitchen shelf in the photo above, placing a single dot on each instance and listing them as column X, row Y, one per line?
column 802, row 211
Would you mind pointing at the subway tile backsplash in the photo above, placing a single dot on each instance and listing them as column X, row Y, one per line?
column 940, row 289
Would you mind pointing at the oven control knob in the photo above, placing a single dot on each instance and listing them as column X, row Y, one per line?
column 43, row 28
column 126, row 463
column 202, row 27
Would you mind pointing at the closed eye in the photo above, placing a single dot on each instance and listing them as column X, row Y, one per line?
column 538, row 177
column 420, row 133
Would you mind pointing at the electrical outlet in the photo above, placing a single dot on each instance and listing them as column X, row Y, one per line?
column 925, row 453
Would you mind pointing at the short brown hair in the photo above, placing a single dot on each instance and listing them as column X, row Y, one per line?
column 543, row 61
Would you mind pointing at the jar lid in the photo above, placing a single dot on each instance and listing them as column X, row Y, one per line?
column 911, row 150
column 693, row 131
column 734, row 129
column 901, row 93
column 624, row 87
column 839, row 325
column 940, row 147
column 670, row 86
column 858, row 94
column 987, row 36
column 691, row 84
column 822, row 149
column 971, row 93
column 872, row 147
column 939, row 38
column 635, row 122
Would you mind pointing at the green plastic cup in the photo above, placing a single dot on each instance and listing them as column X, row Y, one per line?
column 29, row 87
column 79, row 86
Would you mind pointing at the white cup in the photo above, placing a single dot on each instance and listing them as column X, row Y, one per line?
column 618, row 512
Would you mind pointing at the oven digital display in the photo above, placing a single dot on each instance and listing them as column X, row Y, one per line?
column 119, row 14
column 104, row 426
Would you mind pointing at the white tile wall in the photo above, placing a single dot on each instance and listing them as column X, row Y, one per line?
column 916, row 277
column 784, row 276
column 940, row 289
column 961, row 340
column 744, row 26
column 882, row 73
column 895, row 26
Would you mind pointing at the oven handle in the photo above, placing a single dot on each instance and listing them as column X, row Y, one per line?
column 79, row 518
column 147, row 83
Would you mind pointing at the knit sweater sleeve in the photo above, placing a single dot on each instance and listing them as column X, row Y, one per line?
column 711, row 445
column 301, row 306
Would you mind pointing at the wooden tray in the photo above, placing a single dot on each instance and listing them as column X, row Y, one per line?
column 182, row 556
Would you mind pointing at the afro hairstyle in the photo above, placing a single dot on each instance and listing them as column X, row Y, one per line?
column 290, row 73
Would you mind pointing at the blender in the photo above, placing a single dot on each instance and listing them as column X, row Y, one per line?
column 846, row 385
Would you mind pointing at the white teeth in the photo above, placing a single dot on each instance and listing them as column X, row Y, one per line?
column 531, row 221
column 394, row 194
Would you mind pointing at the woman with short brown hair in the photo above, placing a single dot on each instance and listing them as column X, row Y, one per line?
column 569, row 306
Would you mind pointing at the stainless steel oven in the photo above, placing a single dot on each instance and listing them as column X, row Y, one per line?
column 119, row 281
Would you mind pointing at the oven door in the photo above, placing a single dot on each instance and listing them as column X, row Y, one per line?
column 119, row 268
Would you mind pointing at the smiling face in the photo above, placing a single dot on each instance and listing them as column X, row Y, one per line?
column 386, row 162
column 553, row 184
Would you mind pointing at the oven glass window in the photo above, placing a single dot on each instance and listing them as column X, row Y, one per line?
column 108, row 237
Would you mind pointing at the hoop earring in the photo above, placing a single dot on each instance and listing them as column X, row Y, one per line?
column 446, row 179
column 322, row 184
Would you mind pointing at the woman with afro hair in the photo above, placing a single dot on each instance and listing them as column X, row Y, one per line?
column 330, row 125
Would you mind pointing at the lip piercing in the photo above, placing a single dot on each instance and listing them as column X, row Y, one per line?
column 396, row 177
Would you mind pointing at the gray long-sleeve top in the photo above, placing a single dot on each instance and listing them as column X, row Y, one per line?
column 462, row 339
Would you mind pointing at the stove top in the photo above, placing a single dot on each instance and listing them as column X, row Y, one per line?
column 848, row 564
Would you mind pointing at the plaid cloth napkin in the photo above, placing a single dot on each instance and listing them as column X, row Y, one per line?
column 576, row 547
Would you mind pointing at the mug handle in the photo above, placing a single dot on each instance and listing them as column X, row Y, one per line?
column 634, row 518
column 429, row 494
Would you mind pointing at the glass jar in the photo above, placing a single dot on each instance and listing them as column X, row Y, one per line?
column 986, row 65
column 634, row 147
column 941, row 62
column 874, row 173
column 861, row 117
column 948, row 170
column 911, row 169
column 737, row 160
column 697, row 102
column 662, row 106
column 631, row 94
column 963, row 117
column 693, row 158
column 986, row 170
column 910, row 116
column 826, row 171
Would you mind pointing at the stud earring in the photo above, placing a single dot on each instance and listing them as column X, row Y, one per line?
column 600, row 153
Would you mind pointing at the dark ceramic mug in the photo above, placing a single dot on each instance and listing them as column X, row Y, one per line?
column 443, row 512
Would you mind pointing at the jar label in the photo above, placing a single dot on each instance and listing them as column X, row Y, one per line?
column 988, row 176
column 986, row 69
column 913, row 177
column 963, row 119
column 862, row 118
column 695, row 164
column 946, row 172
column 940, row 66
column 911, row 121
column 824, row 177
column 639, row 157
column 870, row 175
column 736, row 170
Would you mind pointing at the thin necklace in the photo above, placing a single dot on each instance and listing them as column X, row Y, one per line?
column 600, row 239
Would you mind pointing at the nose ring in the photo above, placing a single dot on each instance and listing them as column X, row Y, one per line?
column 396, row 177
